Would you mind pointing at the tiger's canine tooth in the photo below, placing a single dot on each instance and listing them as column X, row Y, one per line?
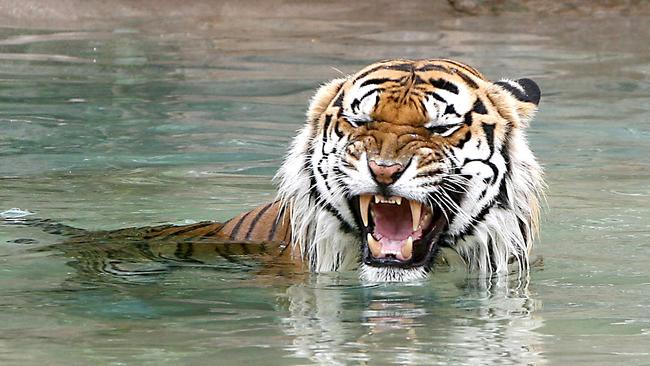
column 416, row 213
column 364, row 203
column 374, row 245
column 397, row 200
column 407, row 249
column 378, row 198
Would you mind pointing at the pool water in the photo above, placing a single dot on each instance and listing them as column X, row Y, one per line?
column 132, row 116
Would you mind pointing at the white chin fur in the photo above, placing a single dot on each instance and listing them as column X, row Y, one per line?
column 388, row 274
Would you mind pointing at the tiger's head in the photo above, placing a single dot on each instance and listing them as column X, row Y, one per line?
column 406, row 157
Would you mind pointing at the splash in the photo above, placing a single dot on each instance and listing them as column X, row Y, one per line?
column 15, row 213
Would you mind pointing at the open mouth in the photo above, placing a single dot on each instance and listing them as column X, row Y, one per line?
column 397, row 231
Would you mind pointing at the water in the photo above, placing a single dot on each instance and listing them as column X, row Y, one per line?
column 119, row 118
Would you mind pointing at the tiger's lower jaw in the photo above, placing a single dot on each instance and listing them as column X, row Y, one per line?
column 392, row 274
column 395, row 270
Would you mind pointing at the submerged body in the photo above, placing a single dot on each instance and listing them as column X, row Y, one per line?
column 395, row 162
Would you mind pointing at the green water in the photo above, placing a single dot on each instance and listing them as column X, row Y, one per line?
column 138, row 120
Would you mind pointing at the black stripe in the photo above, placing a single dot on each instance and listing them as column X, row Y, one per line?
column 356, row 102
column 523, row 228
column 217, row 248
column 274, row 227
column 502, row 199
column 418, row 80
column 464, row 67
column 467, row 80
column 366, row 73
column 407, row 66
column 491, row 256
column 451, row 110
column 469, row 230
column 423, row 107
column 488, row 129
column 440, row 129
column 468, row 118
column 400, row 67
column 346, row 164
column 328, row 120
column 433, row 67
column 479, row 107
column 431, row 173
column 189, row 251
column 457, row 195
column 516, row 92
column 276, row 221
column 235, row 231
column 184, row 250
column 184, row 230
column 337, row 130
column 484, row 191
column 313, row 191
column 216, row 230
column 377, row 81
column 495, row 171
column 444, row 84
column 313, row 260
column 287, row 235
column 226, row 256
column 145, row 249
column 437, row 96
column 323, row 174
column 505, row 152
column 150, row 233
column 345, row 226
column 256, row 219
column 315, row 195
column 339, row 100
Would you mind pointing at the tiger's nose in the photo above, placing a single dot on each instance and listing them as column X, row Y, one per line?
column 385, row 173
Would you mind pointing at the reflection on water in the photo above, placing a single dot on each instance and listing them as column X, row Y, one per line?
column 325, row 319
column 418, row 324
column 121, row 118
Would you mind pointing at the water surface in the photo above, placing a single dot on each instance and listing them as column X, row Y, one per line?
column 111, row 122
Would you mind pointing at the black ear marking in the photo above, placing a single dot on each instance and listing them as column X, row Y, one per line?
column 524, row 89
column 532, row 90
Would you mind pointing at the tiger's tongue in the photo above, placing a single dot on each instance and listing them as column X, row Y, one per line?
column 392, row 221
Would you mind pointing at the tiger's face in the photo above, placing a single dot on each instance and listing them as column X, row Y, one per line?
column 408, row 156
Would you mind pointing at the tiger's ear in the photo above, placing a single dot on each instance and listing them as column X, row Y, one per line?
column 527, row 94
column 323, row 98
column 525, row 90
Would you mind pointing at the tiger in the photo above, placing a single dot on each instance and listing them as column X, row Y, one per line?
column 397, row 163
